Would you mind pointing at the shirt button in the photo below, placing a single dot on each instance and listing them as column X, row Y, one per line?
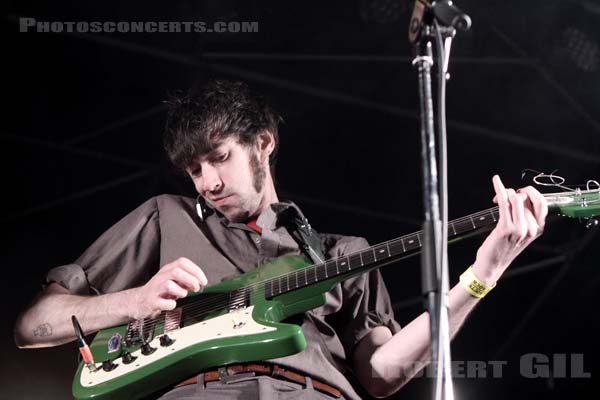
column 257, row 240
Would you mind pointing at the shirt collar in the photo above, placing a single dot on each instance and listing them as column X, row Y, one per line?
column 270, row 218
column 273, row 216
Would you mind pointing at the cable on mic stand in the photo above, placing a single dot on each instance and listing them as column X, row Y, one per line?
column 435, row 21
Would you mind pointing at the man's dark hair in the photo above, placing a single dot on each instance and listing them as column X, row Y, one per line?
column 198, row 121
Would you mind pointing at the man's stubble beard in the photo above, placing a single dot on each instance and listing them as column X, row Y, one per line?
column 258, row 182
column 259, row 174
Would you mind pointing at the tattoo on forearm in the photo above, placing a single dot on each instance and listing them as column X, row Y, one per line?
column 43, row 330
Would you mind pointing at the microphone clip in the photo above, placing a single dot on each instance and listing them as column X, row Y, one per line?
column 448, row 17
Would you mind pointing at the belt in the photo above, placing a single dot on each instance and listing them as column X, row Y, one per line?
column 261, row 369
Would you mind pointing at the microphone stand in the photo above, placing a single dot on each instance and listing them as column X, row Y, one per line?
column 435, row 20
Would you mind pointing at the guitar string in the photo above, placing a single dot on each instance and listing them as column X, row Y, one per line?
column 215, row 302
column 219, row 301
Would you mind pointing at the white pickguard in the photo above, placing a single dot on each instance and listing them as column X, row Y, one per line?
column 236, row 323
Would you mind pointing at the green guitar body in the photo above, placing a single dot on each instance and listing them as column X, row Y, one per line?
column 284, row 340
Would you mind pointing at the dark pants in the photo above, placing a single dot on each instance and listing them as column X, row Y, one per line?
column 247, row 388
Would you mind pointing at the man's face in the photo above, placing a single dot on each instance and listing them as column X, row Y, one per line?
column 231, row 179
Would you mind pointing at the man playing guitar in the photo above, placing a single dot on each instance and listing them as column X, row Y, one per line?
column 225, row 138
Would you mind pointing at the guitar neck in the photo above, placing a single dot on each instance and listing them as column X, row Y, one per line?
column 376, row 256
column 574, row 203
column 408, row 245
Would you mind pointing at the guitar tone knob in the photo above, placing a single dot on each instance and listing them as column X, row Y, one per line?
column 165, row 341
column 147, row 349
column 128, row 358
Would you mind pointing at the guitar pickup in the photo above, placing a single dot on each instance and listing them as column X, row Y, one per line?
column 172, row 320
column 140, row 331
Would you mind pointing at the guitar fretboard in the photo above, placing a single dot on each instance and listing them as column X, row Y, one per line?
column 374, row 256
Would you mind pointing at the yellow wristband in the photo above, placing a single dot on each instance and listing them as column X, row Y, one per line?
column 473, row 285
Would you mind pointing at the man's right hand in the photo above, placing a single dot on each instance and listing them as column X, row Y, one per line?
column 160, row 293
column 53, row 308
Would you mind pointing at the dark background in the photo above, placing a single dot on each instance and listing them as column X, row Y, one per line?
column 81, row 142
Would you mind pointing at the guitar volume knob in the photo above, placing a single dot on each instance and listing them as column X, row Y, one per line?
column 108, row 365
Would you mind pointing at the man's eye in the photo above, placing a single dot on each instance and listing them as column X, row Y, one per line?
column 197, row 172
column 222, row 157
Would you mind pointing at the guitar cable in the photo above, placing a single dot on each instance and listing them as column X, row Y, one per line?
column 84, row 349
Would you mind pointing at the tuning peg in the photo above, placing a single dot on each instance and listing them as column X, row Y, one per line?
column 591, row 223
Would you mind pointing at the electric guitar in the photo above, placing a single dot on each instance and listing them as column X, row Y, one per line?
column 239, row 320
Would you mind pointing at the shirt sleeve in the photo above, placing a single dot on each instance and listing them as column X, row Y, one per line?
column 366, row 302
column 125, row 256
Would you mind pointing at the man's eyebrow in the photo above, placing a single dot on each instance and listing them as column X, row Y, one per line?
column 211, row 154
column 208, row 155
column 218, row 148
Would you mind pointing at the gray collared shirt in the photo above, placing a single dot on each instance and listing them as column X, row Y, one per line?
column 166, row 227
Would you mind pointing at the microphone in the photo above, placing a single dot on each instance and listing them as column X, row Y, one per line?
column 450, row 15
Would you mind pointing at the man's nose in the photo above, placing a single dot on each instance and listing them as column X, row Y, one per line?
column 211, row 181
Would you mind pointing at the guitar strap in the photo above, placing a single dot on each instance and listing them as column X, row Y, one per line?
column 307, row 238
column 297, row 225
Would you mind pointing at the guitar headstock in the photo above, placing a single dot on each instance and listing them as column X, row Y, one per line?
column 583, row 204
column 574, row 202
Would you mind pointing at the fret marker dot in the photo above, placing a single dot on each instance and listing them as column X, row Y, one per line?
column 411, row 241
column 482, row 218
column 382, row 251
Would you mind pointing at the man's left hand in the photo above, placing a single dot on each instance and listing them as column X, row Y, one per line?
column 522, row 215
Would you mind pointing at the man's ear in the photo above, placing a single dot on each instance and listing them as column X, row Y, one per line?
column 266, row 144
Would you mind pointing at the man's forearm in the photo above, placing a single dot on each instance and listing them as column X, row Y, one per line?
column 393, row 360
column 397, row 360
column 47, row 322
